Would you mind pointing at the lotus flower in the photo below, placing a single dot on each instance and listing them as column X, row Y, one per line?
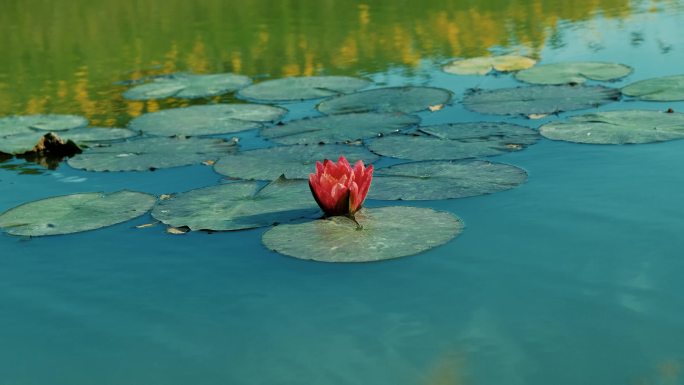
column 338, row 188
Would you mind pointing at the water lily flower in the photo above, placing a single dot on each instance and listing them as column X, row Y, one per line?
column 339, row 188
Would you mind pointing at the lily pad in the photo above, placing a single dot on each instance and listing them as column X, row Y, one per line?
column 238, row 205
column 456, row 141
column 11, row 125
column 618, row 127
column 294, row 162
column 338, row 128
column 26, row 141
column 386, row 233
column 444, row 180
column 151, row 153
column 188, row 86
column 486, row 64
column 539, row 99
column 389, row 99
column 665, row 89
column 573, row 72
column 206, row 119
column 75, row 213
column 302, row 88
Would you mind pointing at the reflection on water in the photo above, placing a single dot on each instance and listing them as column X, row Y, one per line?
column 65, row 56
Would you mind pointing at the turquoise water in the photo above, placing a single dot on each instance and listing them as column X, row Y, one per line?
column 572, row 278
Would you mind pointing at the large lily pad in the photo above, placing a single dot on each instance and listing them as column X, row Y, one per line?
column 188, row 86
column 26, row 141
column 390, row 99
column 294, row 162
column 206, row 120
column 444, row 180
column 456, row 141
column 539, row 99
column 667, row 88
column 338, row 128
column 618, row 127
column 302, row 88
column 386, row 233
column 573, row 72
column 11, row 125
column 486, row 64
column 151, row 153
column 239, row 205
column 75, row 213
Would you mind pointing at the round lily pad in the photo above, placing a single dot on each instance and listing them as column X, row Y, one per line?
column 536, row 100
column 485, row 64
column 338, row 128
column 390, row 99
column 151, row 153
column 75, row 213
column 302, row 88
column 618, row 127
column 455, row 141
column 26, row 141
column 573, row 72
column 444, row 180
column 188, row 86
column 384, row 233
column 294, row 162
column 206, row 120
column 238, row 205
column 11, row 125
column 666, row 89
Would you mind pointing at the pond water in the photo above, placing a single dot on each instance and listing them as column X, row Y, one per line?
column 572, row 278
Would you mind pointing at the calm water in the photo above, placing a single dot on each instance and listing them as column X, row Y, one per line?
column 572, row 278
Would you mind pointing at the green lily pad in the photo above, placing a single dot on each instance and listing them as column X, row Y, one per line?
column 238, row 205
column 75, row 213
column 151, row 153
column 26, row 141
column 536, row 100
column 338, row 128
column 301, row 88
column 486, row 64
column 188, row 86
column 444, row 180
column 456, row 141
column 618, row 127
column 206, row 120
column 665, row 89
column 11, row 125
column 294, row 162
column 386, row 233
column 573, row 72
column 390, row 99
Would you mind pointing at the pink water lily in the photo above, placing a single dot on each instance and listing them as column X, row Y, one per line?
column 339, row 188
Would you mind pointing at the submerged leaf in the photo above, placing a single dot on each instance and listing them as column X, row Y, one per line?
column 389, row 99
column 294, row 162
column 539, row 99
column 573, row 72
column 75, row 213
column 11, row 125
column 618, row 127
column 444, row 180
column 485, row 64
column 238, row 205
column 302, row 88
column 206, row 119
column 456, row 141
column 338, row 128
column 667, row 88
column 151, row 153
column 385, row 233
column 188, row 86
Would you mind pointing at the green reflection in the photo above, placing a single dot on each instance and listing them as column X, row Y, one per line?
column 64, row 56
